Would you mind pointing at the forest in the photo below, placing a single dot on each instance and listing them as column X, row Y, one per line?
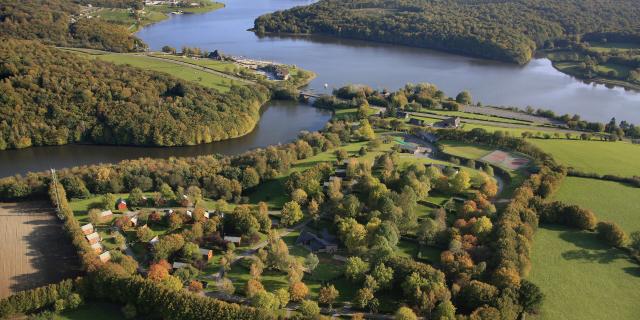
column 60, row 23
column 510, row 30
column 53, row 97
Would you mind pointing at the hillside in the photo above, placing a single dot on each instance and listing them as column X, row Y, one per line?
column 53, row 97
column 510, row 30
column 61, row 23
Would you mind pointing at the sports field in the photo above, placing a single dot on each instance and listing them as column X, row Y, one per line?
column 507, row 160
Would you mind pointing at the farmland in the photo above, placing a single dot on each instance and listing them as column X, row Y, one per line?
column 619, row 158
column 35, row 250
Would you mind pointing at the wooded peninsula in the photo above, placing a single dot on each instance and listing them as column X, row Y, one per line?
column 511, row 31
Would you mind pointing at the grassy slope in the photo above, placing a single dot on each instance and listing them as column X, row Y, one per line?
column 183, row 72
column 150, row 15
column 618, row 158
column 583, row 279
column 611, row 201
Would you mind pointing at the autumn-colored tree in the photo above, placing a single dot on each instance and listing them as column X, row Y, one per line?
column 195, row 286
column 252, row 287
column 299, row 196
column 298, row 291
column 157, row 272
column 328, row 295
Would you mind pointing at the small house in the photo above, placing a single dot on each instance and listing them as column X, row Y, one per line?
column 416, row 122
column 97, row 247
column 233, row 239
column 155, row 240
column 105, row 256
column 190, row 214
column 341, row 173
column 186, row 202
column 93, row 238
column 428, row 137
column 402, row 115
column 105, row 215
column 216, row 55
column 451, row 123
column 318, row 243
column 179, row 265
column 122, row 205
column 409, row 147
column 134, row 221
column 87, row 229
column 206, row 254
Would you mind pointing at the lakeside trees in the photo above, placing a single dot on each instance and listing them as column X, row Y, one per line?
column 502, row 30
column 59, row 22
column 47, row 103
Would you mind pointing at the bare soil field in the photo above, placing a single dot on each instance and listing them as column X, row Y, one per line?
column 34, row 250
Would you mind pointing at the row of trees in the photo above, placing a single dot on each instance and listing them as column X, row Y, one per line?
column 505, row 30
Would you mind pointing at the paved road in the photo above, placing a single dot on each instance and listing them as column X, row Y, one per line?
column 531, row 128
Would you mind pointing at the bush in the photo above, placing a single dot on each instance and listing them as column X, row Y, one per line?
column 612, row 234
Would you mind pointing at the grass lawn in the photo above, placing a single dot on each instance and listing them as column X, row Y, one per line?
column 611, row 201
column 465, row 150
column 222, row 66
column 619, row 158
column 582, row 278
column 93, row 311
column 150, row 14
column 203, row 78
column 608, row 46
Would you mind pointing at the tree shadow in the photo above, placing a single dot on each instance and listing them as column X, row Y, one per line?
column 49, row 253
column 591, row 249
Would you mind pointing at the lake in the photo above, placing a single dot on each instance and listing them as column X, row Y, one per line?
column 338, row 62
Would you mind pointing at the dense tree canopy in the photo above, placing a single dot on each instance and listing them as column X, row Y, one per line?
column 51, row 97
column 509, row 30
column 60, row 22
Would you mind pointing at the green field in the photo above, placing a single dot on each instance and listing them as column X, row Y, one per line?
column 611, row 201
column 608, row 46
column 222, row 66
column 465, row 150
column 582, row 278
column 203, row 78
column 619, row 158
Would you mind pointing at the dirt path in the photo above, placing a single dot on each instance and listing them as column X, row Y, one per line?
column 34, row 250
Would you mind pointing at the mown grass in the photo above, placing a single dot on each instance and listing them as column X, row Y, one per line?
column 150, row 15
column 222, row 66
column 465, row 150
column 611, row 201
column 582, row 278
column 619, row 158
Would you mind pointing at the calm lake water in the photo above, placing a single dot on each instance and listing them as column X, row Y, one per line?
column 338, row 62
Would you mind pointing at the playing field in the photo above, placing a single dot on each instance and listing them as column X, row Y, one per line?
column 507, row 160
column 619, row 158
column 34, row 250
column 582, row 278
column 611, row 201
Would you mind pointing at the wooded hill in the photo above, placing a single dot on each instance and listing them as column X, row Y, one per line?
column 59, row 22
column 507, row 30
column 51, row 97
